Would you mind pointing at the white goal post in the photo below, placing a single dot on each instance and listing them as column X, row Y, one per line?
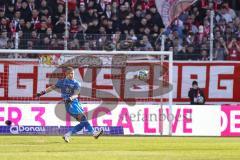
column 168, row 54
column 78, row 52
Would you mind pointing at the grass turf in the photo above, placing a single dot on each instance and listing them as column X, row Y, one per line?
column 119, row 148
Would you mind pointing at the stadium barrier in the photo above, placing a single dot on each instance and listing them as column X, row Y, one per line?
column 205, row 120
column 55, row 130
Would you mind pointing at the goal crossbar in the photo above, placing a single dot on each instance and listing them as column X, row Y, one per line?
column 72, row 52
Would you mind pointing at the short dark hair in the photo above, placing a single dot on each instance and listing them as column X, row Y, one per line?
column 194, row 83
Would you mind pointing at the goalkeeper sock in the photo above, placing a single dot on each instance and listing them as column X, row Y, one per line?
column 84, row 123
column 87, row 125
column 68, row 134
column 76, row 128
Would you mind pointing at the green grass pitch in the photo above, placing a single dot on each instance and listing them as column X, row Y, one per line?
column 119, row 148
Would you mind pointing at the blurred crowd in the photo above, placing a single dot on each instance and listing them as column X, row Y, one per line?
column 119, row 25
column 189, row 36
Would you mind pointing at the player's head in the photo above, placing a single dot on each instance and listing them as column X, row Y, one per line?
column 194, row 84
column 69, row 73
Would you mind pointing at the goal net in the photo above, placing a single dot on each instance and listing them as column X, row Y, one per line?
column 108, row 78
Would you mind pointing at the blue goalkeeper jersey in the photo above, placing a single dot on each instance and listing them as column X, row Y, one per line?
column 67, row 87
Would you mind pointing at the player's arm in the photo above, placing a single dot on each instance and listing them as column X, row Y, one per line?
column 47, row 90
column 75, row 94
column 190, row 93
column 238, row 47
column 230, row 45
column 224, row 45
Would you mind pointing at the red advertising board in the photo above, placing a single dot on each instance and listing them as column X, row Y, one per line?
column 219, row 80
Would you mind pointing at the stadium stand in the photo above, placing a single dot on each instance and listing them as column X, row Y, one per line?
column 118, row 25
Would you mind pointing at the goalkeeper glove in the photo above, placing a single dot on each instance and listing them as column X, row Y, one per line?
column 68, row 100
column 41, row 93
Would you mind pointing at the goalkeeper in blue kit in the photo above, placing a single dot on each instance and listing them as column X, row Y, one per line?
column 70, row 89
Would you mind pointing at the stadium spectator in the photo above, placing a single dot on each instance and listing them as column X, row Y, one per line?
column 9, row 13
column 3, row 39
column 191, row 53
column 131, row 25
column 220, row 50
column 234, row 49
column 204, row 55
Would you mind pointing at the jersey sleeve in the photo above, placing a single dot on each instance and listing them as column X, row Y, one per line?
column 77, row 86
column 59, row 83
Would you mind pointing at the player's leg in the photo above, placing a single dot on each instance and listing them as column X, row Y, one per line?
column 83, row 120
column 74, row 113
column 73, row 130
column 87, row 125
column 83, row 123
column 75, row 109
column 77, row 112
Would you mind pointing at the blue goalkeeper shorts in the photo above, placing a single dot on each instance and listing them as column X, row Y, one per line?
column 74, row 108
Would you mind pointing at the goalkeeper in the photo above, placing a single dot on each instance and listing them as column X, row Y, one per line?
column 70, row 89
